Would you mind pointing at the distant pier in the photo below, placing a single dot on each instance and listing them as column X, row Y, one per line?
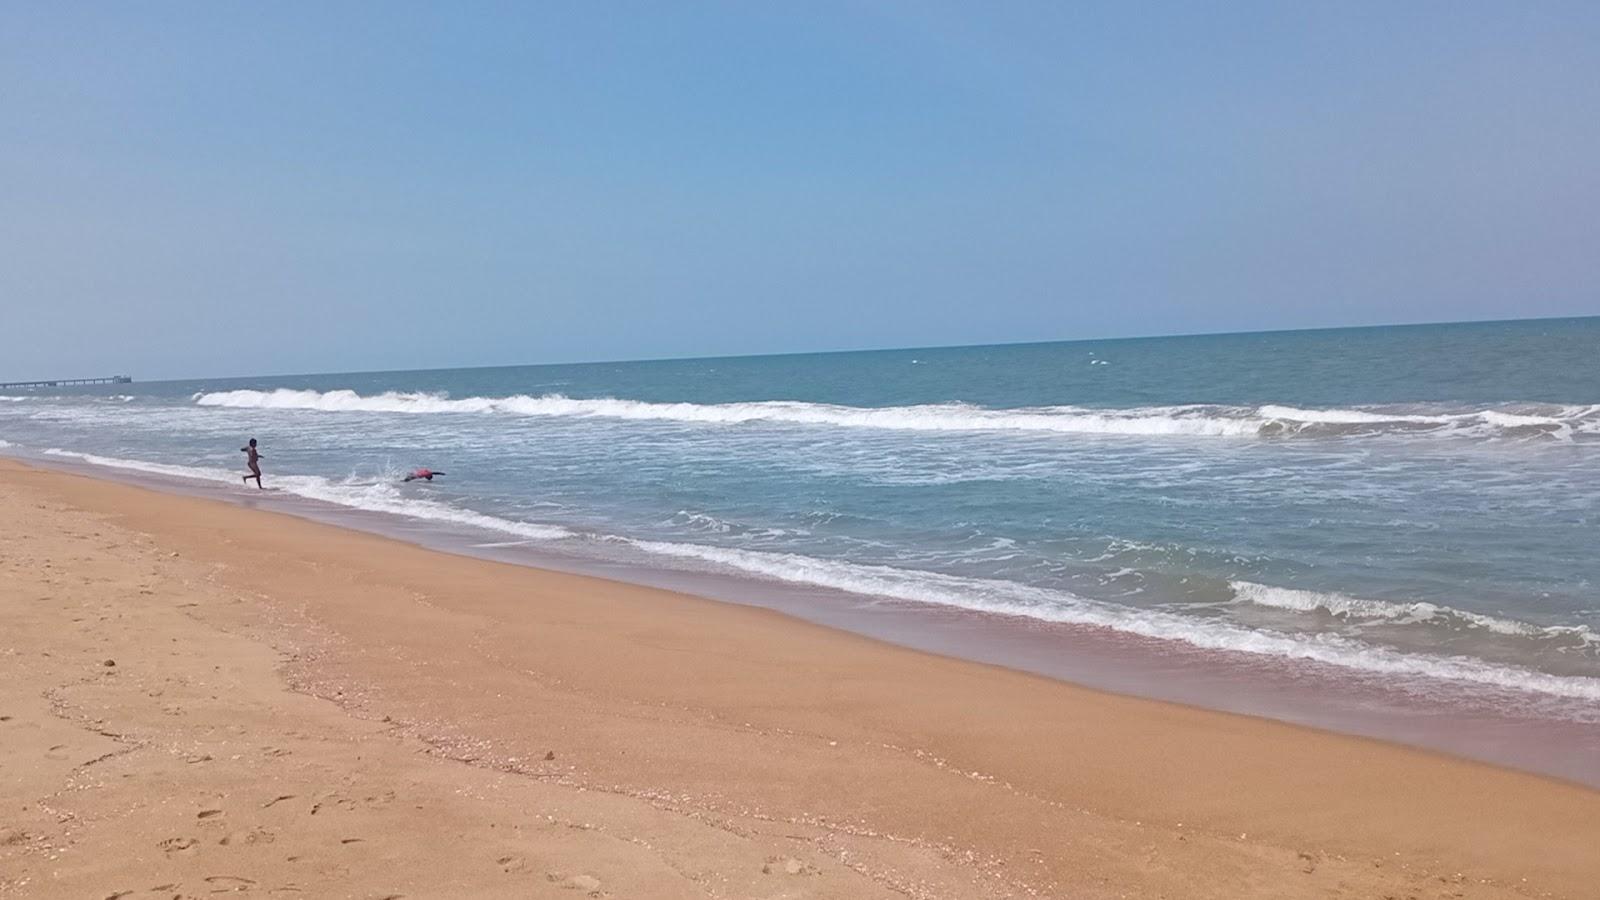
column 67, row 382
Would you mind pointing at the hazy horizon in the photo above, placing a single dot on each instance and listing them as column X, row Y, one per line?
column 814, row 352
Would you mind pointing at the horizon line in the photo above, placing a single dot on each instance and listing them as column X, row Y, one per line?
column 840, row 351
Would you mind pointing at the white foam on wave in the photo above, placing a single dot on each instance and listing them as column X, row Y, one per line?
column 1346, row 416
column 1356, row 608
column 977, row 594
column 154, row 468
column 929, row 417
column 700, row 521
column 1191, row 420
column 381, row 497
column 1011, row 598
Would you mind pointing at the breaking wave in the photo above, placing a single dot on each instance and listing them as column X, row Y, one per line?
column 1512, row 420
column 1357, row 609
column 1012, row 598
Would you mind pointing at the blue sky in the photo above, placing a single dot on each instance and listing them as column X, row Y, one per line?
column 230, row 188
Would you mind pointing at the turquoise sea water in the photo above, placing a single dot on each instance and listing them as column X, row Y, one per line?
column 1415, row 505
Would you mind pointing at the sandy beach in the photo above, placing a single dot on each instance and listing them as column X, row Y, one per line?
column 201, row 698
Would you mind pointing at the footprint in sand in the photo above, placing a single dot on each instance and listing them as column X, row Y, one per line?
column 344, row 803
column 586, row 883
column 223, row 883
column 377, row 800
column 511, row 863
column 208, row 813
column 788, row 865
column 177, row 845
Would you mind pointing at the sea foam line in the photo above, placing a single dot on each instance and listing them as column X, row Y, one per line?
column 1357, row 608
column 380, row 497
column 1191, row 420
column 976, row 594
column 1011, row 598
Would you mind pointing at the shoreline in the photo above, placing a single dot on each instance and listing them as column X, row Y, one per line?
column 1302, row 692
column 306, row 703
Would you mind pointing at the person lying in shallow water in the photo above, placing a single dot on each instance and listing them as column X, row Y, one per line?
column 424, row 474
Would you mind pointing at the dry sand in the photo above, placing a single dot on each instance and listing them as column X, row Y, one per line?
column 201, row 699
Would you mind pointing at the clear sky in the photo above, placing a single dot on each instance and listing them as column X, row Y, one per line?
column 250, row 188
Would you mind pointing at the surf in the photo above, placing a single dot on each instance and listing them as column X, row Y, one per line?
column 1359, row 610
column 1195, row 420
column 981, row 595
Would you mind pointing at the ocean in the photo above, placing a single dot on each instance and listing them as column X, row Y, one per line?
column 1400, row 517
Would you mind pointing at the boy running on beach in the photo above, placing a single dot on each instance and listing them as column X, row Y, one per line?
column 253, row 460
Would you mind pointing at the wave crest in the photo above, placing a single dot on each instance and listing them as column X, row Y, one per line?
column 1359, row 608
column 1561, row 422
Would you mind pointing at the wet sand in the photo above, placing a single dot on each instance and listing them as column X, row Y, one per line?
column 202, row 698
